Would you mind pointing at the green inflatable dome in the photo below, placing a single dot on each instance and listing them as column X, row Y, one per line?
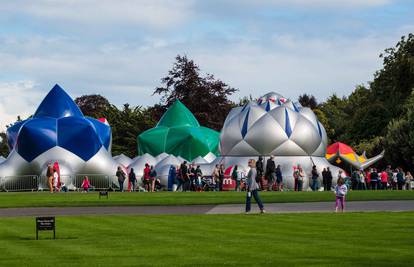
column 179, row 133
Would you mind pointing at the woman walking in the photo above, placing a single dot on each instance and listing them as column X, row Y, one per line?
column 252, row 188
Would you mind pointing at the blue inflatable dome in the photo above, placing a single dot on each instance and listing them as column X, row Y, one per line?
column 58, row 121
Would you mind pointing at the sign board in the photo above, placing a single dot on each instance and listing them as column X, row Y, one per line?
column 45, row 224
column 103, row 194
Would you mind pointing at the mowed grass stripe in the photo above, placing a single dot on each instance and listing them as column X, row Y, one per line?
column 44, row 199
column 353, row 239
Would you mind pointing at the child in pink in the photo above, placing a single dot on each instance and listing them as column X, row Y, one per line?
column 85, row 184
column 340, row 191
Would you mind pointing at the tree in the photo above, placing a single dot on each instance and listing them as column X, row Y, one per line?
column 308, row 101
column 93, row 105
column 392, row 84
column 399, row 139
column 126, row 125
column 4, row 147
column 205, row 96
column 337, row 118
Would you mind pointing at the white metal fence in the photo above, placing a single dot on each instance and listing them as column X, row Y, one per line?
column 40, row 182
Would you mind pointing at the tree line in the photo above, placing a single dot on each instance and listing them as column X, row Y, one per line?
column 376, row 116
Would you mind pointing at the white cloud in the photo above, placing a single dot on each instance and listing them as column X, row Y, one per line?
column 153, row 13
column 319, row 3
column 17, row 98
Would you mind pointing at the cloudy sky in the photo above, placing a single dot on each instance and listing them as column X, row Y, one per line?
column 121, row 49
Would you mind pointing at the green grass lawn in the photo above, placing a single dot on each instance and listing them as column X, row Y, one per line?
column 44, row 199
column 349, row 239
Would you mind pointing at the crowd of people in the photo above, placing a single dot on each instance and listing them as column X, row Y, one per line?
column 189, row 177
column 54, row 182
column 374, row 179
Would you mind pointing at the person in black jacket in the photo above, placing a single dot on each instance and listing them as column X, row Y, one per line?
column 184, row 176
column 324, row 179
column 270, row 172
column 315, row 176
column 132, row 179
column 279, row 178
column 259, row 170
column 328, row 179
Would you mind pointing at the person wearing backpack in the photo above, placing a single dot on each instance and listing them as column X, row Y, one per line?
column 121, row 178
column 252, row 188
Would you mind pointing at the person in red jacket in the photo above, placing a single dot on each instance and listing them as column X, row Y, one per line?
column 384, row 180
column 147, row 177
column 368, row 179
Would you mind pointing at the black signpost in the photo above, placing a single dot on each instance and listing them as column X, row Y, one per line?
column 103, row 194
column 45, row 224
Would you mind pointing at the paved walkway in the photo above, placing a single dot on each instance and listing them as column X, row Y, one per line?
column 354, row 206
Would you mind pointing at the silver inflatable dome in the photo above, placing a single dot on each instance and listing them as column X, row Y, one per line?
column 272, row 126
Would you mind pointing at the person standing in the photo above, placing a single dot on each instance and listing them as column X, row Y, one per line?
column 147, row 178
column 270, row 173
column 408, row 181
column 384, row 180
column 362, row 179
column 279, row 178
column 153, row 177
column 260, row 170
column 315, row 176
column 368, row 179
column 301, row 177
column 171, row 178
column 49, row 175
column 85, row 184
column 295, row 177
column 121, row 178
column 400, row 179
column 340, row 191
column 184, row 175
column 328, row 179
column 221, row 177
column 199, row 179
column 215, row 177
column 252, row 188
column 390, row 177
column 235, row 178
column 193, row 178
column 132, row 179
column 354, row 180
column 56, row 184
column 374, row 180
column 324, row 179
